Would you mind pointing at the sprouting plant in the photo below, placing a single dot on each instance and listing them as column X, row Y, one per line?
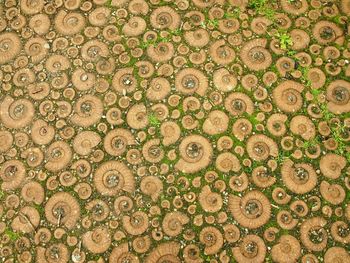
column 341, row 148
column 146, row 44
column 316, row 92
column 175, row 32
column 309, row 143
column 291, row 53
column 248, row 169
column 213, row 22
column 262, row 7
column 164, row 39
column 304, row 76
column 338, row 20
column 269, row 13
column 257, row 4
column 327, row 115
column 171, row 33
column 337, row 136
column 282, row 156
column 285, row 40
column 251, row 118
column 153, row 120
column 347, row 156
column 336, row 130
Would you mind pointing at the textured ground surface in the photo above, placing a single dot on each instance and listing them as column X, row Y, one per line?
column 174, row 131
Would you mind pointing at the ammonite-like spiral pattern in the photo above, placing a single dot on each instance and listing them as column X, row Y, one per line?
column 10, row 47
column 164, row 131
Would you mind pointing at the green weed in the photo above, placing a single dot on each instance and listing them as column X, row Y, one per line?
column 291, row 53
column 175, row 32
column 39, row 208
column 305, row 79
column 327, row 115
column 12, row 235
column 109, row 3
column 309, row 143
column 269, row 13
column 164, row 39
column 285, row 40
column 153, row 120
column 282, row 156
column 262, row 7
column 316, row 92
column 257, row 4
column 347, row 156
column 214, row 23
column 336, row 131
column 336, row 135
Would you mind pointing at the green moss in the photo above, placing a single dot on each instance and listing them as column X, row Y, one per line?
column 263, row 7
column 153, row 120
column 39, row 208
column 282, row 156
column 316, row 93
column 109, row 3
column 326, row 114
column 212, row 23
column 309, row 143
column 284, row 39
column 12, row 235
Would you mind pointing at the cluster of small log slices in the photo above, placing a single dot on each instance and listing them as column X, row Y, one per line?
column 148, row 131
